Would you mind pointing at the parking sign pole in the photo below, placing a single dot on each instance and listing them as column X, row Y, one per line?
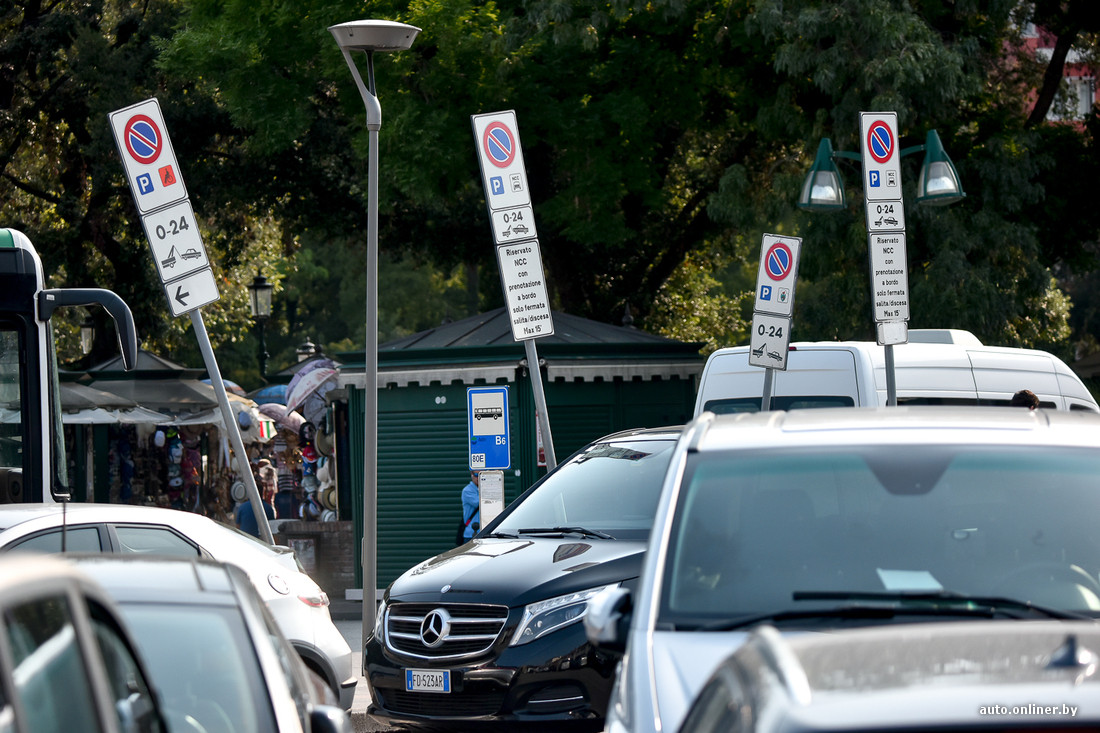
column 766, row 400
column 540, row 402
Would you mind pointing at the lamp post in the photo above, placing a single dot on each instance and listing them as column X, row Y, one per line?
column 937, row 185
column 370, row 36
column 259, row 300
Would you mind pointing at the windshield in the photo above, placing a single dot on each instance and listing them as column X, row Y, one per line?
column 607, row 487
column 752, row 531
column 206, row 667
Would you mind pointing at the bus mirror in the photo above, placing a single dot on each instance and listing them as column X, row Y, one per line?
column 50, row 300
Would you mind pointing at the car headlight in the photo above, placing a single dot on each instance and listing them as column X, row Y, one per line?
column 379, row 620
column 543, row 617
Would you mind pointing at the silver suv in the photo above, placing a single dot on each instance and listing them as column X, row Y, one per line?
column 839, row 518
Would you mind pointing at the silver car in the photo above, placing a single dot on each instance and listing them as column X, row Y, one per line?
column 296, row 601
column 67, row 660
column 215, row 655
column 828, row 519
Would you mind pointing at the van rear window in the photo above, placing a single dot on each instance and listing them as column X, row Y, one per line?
column 795, row 402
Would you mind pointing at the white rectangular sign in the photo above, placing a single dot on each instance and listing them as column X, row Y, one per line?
column 778, row 272
column 175, row 241
column 513, row 225
column 885, row 216
column 490, row 489
column 769, row 341
column 191, row 292
column 151, row 167
column 878, row 134
column 889, row 277
column 501, row 157
column 524, row 286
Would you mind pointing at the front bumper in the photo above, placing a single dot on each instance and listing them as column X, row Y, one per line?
column 557, row 678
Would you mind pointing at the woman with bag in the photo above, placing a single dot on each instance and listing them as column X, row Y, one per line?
column 471, row 511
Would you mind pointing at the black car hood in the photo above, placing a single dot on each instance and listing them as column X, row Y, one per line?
column 514, row 572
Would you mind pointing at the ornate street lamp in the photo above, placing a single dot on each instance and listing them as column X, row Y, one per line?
column 259, row 300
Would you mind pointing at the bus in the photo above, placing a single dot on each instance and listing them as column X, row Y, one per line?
column 32, row 441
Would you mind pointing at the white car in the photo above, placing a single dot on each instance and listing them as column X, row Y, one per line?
column 298, row 604
column 819, row 520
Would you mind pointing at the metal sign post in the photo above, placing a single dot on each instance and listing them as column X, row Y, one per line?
column 885, row 211
column 770, row 339
column 178, row 252
column 508, row 200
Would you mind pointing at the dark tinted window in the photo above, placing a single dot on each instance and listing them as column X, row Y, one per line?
column 611, row 487
column 76, row 539
column 154, row 540
column 797, row 402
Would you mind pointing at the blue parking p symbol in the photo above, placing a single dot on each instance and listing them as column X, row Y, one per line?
column 765, row 292
column 145, row 183
column 874, row 179
column 496, row 183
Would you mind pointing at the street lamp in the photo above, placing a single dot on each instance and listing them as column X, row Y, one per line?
column 370, row 36
column 87, row 334
column 259, row 300
column 937, row 185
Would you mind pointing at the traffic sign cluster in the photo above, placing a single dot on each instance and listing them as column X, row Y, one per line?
column 161, row 198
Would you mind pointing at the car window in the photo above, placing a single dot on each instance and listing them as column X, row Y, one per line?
column 152, row 540
column 289, row 660
column 778, row 402
column 750, row 531
column 50, row 676
column 203, row 665
column 611, row 487
column 74, row 539
column 133, row 703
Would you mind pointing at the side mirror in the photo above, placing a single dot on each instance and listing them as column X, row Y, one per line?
column 608, row 619
column 329, row 719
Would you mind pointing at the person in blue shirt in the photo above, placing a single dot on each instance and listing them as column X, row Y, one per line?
column 246, row 518
column 471, row 507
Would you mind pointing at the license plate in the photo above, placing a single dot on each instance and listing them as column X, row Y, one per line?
column 427, row 680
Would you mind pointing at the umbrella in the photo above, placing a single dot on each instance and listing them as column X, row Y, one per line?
column 303, row 385
column 269, row 394
column 230, row 386
column 282, row 416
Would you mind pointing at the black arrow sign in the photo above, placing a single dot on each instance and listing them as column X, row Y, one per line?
column 180, row 295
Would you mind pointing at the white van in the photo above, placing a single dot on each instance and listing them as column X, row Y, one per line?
column 936, row 367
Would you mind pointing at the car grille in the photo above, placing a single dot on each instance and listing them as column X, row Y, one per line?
column 468, row 629
column 427, row 703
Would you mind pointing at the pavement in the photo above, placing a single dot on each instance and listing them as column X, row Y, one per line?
column 348, row 617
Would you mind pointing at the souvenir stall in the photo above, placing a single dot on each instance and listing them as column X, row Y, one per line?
column 178, row 454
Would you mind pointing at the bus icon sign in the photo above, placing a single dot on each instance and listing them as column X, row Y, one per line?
column 487, row 421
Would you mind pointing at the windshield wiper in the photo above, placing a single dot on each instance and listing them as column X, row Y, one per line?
column 949, row 601
column 503, row 535
column 567, row 530
column 878, row 605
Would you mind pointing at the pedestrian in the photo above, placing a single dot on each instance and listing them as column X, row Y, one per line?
column 1025, row 398
column 246, row 518
column 471, row 510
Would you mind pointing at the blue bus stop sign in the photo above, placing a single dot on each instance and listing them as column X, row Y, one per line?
column 487, row 418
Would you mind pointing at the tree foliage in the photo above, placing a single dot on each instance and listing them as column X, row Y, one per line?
column 662, row 139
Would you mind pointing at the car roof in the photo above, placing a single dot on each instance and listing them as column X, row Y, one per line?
column 180, row 580
column 12, row 514
column 851, row 678
column 27, row 575
column 895, row 425
column 658, row 433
